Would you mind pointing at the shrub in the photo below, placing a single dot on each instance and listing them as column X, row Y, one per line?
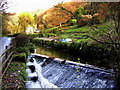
column 23, row 71
column 20, row 57
column 23, row 50
column 31, row 47
column 73, row 21
column 52, row 30
column 91, row 53
column 13, row 35
column 22, row 40
column 35, row 35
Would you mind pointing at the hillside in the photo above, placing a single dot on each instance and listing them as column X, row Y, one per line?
column 55, row 16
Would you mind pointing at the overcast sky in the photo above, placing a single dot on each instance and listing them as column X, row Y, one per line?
column 20, row 6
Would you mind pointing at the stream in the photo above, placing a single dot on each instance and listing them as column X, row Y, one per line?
column 55, row 53
column 66, row 75
column 62, row 75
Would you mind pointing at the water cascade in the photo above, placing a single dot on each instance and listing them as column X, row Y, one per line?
column 4, row 41
column 68, row 74
column 35, row 74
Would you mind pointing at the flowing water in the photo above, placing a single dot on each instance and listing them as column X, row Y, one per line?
column 41, row 82
column 67, row 76
column 4, row 41
column 64, row 75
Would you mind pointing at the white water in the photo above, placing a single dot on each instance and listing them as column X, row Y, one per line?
column 42, row 82
column 4, row 41
column 66, row 75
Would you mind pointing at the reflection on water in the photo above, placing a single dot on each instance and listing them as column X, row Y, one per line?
column 55, row 53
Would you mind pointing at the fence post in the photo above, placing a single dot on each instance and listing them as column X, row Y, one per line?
column 11, row 47
column 6, row 52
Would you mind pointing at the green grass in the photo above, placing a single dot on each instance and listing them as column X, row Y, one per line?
column 77, row 34
column 78, row 30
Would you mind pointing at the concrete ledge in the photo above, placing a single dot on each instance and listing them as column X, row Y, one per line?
column 75, row 63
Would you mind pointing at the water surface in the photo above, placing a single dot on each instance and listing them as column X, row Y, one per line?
column 55, row 53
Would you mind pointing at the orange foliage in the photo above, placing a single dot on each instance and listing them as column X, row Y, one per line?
column 56, row 16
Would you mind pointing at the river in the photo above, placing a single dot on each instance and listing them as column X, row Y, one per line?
column 55, row 53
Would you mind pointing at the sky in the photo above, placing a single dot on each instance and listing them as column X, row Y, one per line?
column 19, row 6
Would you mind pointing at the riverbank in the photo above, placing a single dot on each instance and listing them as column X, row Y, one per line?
column 92, row 54
column 14, row 76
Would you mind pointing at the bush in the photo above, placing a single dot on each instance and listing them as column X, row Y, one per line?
column 73, row 21
column 23, row 50
column 22, row 40
column 31, row 48
column 93, row 54
column 35, row 35
column 20, row 57
column 23, row 71
column 52, row 30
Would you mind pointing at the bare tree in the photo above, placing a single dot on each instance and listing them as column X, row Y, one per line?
column 3, row 5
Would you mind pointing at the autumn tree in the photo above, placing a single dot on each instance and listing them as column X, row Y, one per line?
column 77, row 13
column 59, row 14
column 24, row 20
column 36, row 20
column 42, row 23
column 4, row 18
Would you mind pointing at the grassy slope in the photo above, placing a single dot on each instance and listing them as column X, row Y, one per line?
column 77, row 33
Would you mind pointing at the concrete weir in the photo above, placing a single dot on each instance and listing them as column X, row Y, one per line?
column 68, row 74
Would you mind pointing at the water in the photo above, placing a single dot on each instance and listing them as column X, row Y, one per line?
column 4, row 41
column 55, row 53
column 41, row 82
column 67, row 75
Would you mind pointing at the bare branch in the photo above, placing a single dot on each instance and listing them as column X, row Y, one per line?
column 100, row 41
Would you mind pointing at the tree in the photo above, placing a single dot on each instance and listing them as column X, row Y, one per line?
column 35, row 20
column 67, row 11
column 79, row 13
column 4, row 25
column 114, row 9
column 3, row 5
column 24, row 20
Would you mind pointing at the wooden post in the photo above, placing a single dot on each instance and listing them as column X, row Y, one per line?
column 11, row 48
column 6, row 52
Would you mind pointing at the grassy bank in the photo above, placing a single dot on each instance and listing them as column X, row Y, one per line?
column 15, row 76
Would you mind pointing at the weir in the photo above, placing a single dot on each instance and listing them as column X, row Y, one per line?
column 71, row 74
